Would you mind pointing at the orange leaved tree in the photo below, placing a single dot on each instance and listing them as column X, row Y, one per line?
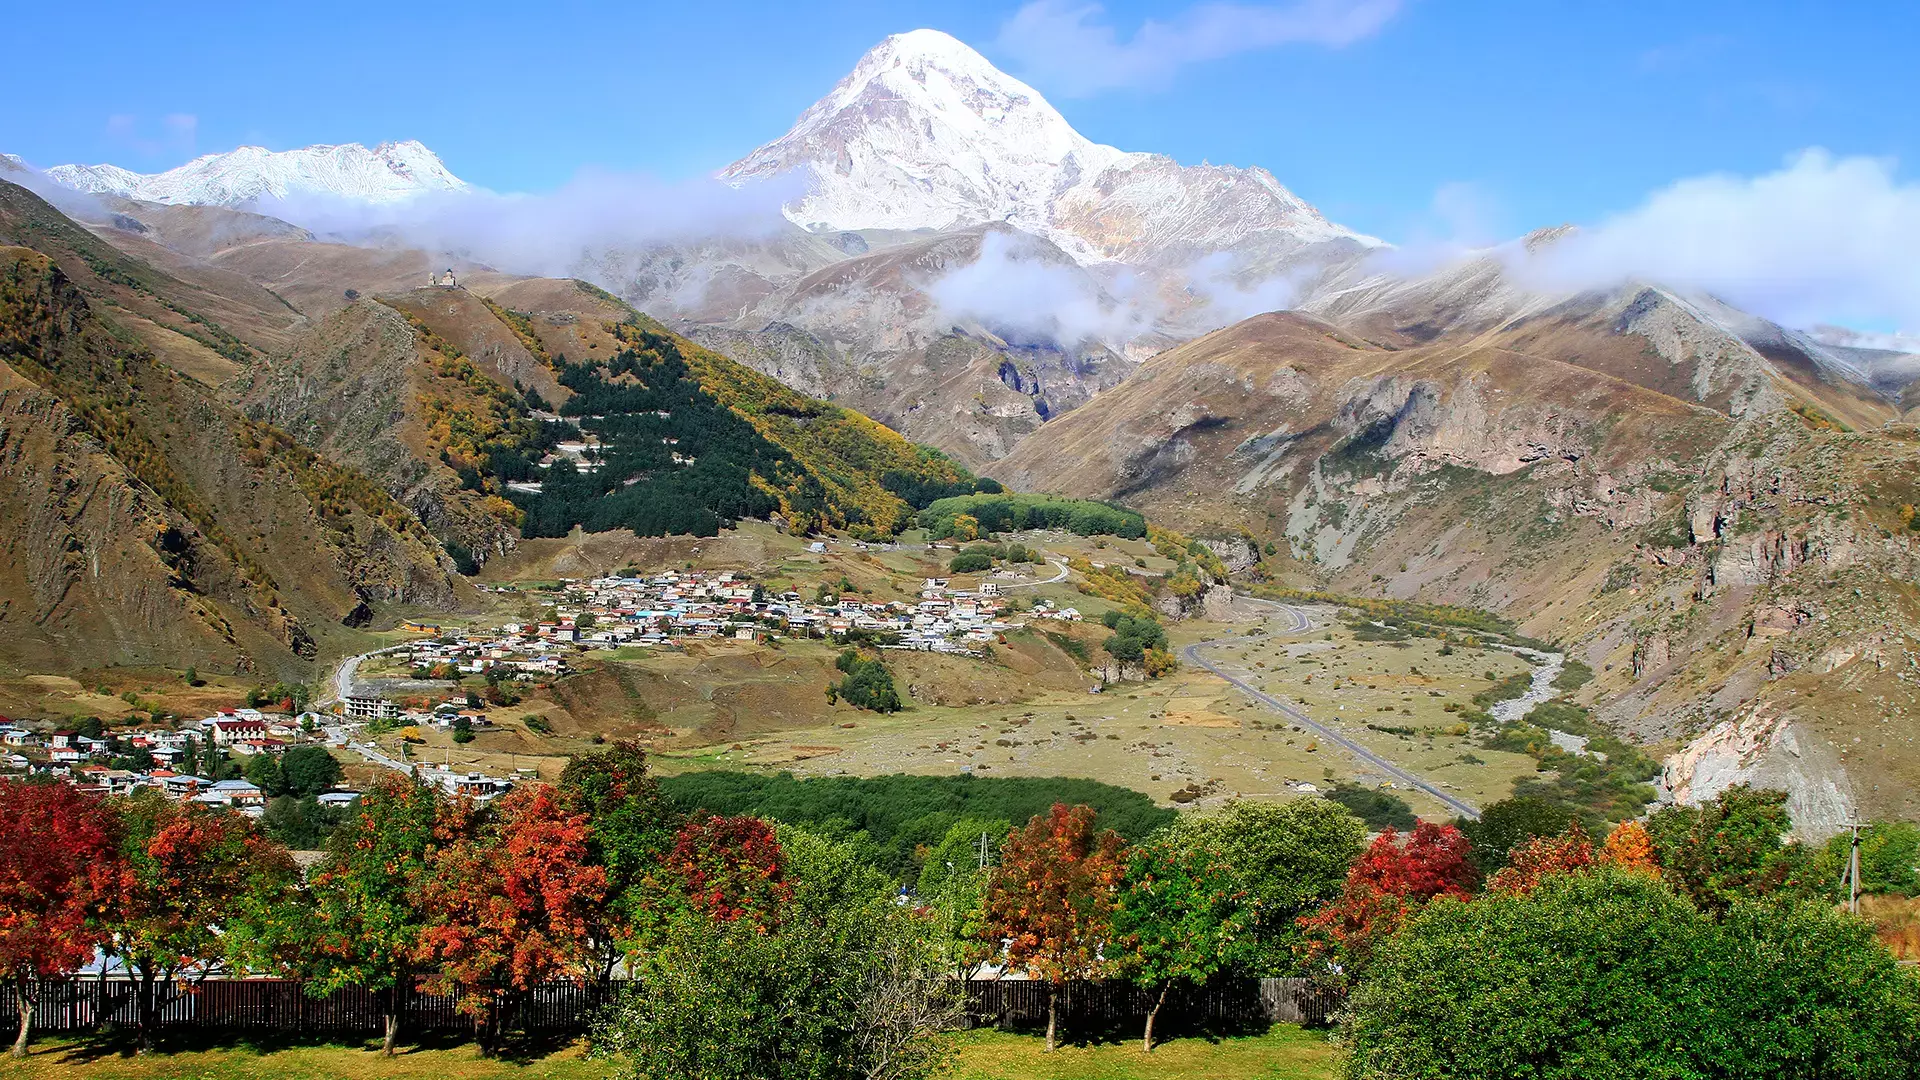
column 1052, row 899
column 513, row 898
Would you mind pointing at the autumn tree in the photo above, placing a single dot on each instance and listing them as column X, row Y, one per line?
column 512, row 899
column 59, row 872
column 631, row 828
column 1052, row 899
column 1181, row 918
column 1570, row 852
column 368, row 908
column 195, row 871
column 1630, row 847
column 1394, row 878
column 729, row 868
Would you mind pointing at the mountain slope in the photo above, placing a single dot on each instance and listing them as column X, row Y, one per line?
column 926, row 134
column 145, row 522
column 1617, row 471
column 388, row 172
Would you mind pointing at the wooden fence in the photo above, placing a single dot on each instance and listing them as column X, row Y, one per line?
column 282, row 1007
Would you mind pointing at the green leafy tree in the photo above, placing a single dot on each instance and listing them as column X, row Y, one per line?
column 1509, row 823
column 631, row 828
column 1287, row 858
column 1733, row 847
column 462, row 729
column 1182, row 917
column 300, row 822
column 839, row 988
column 263, row 771
column 1889, row 856
column 367, row 904
column 868, row 683
column 952, row 885
column 309, row 770
column 1607, row 974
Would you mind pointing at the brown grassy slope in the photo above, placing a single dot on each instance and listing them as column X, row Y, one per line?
column 1748, row 569
column 222, row 312
column 151, row 524
column 356, row 389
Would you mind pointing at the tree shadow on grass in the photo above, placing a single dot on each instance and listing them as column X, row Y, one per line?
column 120, row 1043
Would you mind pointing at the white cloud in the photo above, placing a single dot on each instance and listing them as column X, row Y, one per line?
column 1823, row 239
column 1070, row 48
column 1014, row 291
column 553, row 233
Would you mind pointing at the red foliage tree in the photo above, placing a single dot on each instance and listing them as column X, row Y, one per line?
column 1542, row 856
column 1388, row 882
column 730, row 868
column 59, row 869
column 195, row 872
column 1052, row 898
column 512, row 897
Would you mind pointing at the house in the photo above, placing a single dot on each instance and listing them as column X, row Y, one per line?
column 336, row 798
column 227, row 731
column 369, row 708
column 14, row 762
column 238, row 794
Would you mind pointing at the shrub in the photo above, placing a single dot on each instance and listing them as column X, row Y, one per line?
column 1609, row 974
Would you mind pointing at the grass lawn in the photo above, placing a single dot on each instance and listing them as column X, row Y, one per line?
column 1283, row 1054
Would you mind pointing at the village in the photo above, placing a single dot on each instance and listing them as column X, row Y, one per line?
column 601, row 614
column 614, row 612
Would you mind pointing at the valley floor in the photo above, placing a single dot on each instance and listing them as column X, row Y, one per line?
column 1285, row 1053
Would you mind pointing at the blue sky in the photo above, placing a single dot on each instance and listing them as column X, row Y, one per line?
column 1426, row 118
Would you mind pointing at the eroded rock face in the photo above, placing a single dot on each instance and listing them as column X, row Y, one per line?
column 1767, row 751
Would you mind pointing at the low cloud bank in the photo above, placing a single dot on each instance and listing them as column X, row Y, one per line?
column 551, row 234
column 1823, row 239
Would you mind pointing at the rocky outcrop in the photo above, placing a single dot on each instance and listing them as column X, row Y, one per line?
column 1767, row 751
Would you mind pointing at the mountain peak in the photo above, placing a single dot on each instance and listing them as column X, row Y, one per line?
column 389, row 172
column 925, row 133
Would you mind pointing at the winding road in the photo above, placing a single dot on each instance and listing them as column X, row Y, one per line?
column 1301, row 624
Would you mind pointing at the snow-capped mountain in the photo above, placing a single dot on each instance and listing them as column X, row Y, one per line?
column 926, row 134
column 389, row 172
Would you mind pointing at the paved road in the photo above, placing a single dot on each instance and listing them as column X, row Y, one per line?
column 340, row 687
column 1058, row 565
column 372, row 753
column 1300, row 624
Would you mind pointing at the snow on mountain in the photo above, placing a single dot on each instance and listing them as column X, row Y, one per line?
column 387, row 173
column 926, row 134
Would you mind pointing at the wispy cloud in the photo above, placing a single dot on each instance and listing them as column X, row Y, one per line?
column 564, row 232
column 1071, row 48
column 1822, row 239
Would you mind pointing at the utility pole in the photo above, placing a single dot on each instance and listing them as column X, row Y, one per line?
column 1853, row 869
column 986, row 850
